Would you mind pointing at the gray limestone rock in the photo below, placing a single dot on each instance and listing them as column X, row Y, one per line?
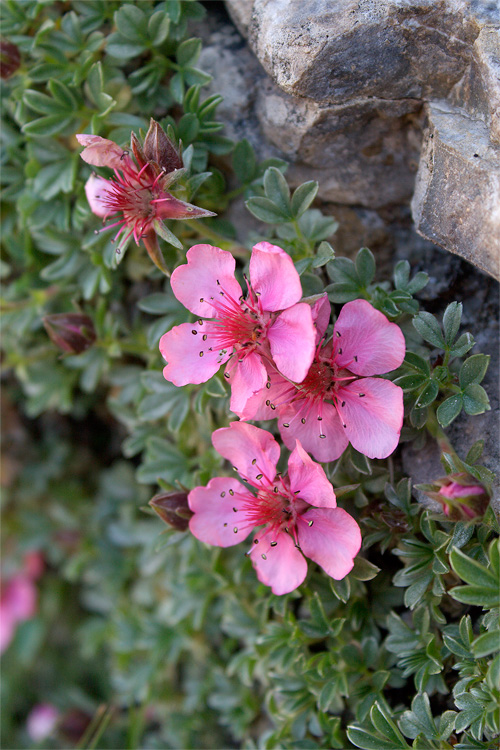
column 457, row 195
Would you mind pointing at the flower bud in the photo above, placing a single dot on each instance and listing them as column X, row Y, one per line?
column 173, row 509
column 461, row 496
column 159, row 148
column 72, row 332
column 10, row 59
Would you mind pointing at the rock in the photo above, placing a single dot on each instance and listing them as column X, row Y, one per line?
column 479, row 89
column 363, row 153
column 332, row 51
column 457, row 195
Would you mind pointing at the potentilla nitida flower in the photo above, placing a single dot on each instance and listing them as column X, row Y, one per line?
column 296, row 512
column 268, row 325
column 460, row 495
column 137, row 194
column 338, row 402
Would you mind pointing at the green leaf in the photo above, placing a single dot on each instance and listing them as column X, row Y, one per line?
column 428, row 395
column 451, row 321
column 428, row 327
column 364, row 570
column 302, row 197
column 131, row 22
column 417, row 362
column 324, row 254
column 45, row 126
column 411, row 382
column 365, row 266
column 158, row 28
column 471, row 570
column 164, row 232
column 449, row 410
column 277, row 190
column 486, row 644
column 474, row 369
column 41, row 103
column 463, row 344
column 476, row 399
column 188, row 52
column 401, row 274
column 341, row 589
column 244, row 161
column 62, row 94
column 265, row 210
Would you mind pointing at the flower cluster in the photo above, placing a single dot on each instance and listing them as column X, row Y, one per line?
column 278, row 364
column 137, row 194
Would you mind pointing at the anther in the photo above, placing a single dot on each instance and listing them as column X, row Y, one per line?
column 361, row 395
column 201, row 299
column 223, row 494
column 235, row 510
column 274, row 544
column 200, row 322
column 340, row 350
column 231, row 492
column 255, row 541
column 254, row 461
column 355, row 358
column 320, row 419
column 285, row 424
column 322, row 436
column 218, row 282
column 235, row 530
column 343, row 403
column 268, row 385
column 227, row 375
column 344, row 425
column 338, row 333
column 275, row 489
column 303, row 420
column 310, row 523
column 225, row 525
column 204, row 337
column 264, row 557
column 273, row 407
column 201, row 354
column 259, row 476
column 195, row 333
column 268, row 403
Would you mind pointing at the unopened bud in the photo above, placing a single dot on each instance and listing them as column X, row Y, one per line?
column 460, row 495
column 72, row 332
column 159, row 148
column 10, row 59
column 173, row 509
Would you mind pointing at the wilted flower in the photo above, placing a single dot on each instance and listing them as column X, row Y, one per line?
column 42, row 721
column 336, row 403
column 72, row 332
column 460, row 496
column 297, row 511
column 268, row 325
column 173, row 509
column 137, row 193
column 10, row 58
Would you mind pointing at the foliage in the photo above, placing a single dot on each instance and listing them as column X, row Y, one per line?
column 157, row 640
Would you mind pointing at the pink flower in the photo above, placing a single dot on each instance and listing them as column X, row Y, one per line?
column 337, row 404
column 297, row 511
column 268, row 326
column 42, row 721
column 17, row 604
column 136, row 195
column 460, row 498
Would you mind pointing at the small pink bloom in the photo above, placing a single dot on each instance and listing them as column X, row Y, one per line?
column 41, row 722
column 17, row 603
column 297, row 511
column 135, row 195
column 338, row 402
column 459, row 496
column 268, row 327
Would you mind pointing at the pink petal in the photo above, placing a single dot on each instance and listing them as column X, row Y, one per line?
column 214, row 520
column 274, row 277
column 96, row 189
column 101, row 152
column 263, row 404
column 252, row 451
column 246, row 378
column 195, row 283
column 365, row 333
column 7, row 628
column 321, row 310
column 19, row 598
column 308, row 480
column 181, row 348
column 42, row 721
column 283, row 568
column 373, row 420
column 332, row 540
column 323, row 449
column 292, row 338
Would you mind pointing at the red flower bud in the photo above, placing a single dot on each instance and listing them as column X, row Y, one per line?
column 173, row 509
column 461, row 496
column 159, row 148
column 10, row 59
column 72, row 332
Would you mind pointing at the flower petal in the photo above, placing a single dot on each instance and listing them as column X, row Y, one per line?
column 274, row 277
column 189, row 359
column 169, row 207
column 308, row 480
column 101, row 152
column 367, row 335
column 214, row 520
column 292, row 338
column 264, row 403
column 330, row 537
column 323, row 449
column 282, row 566
column 246, row 378
column 321, row 310
column 96, row 189
column 195, row 283
column 252, row 451
column 372, row 410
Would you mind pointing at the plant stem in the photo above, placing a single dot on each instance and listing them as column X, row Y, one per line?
column 439, row 435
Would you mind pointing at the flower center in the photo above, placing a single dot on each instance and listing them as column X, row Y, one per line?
column 241, row 324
